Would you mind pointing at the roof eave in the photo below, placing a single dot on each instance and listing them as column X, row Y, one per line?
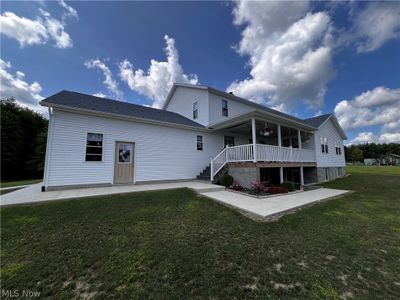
column 120, row 117
column 260, row 114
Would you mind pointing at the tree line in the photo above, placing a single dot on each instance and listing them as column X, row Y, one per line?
column 356, row 153
column 23, row 141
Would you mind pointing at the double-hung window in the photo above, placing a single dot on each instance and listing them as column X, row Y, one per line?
column 195, row 111
column 224, row 108
column 338, row 149
column 324, row 145
column 199, row 143
column 94, row 147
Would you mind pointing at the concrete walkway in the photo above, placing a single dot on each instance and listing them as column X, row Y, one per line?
column 33, row 193
column 274, row 206
column 255, row 208
column 14, row 187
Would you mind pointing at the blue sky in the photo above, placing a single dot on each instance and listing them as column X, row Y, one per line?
column 305, row 58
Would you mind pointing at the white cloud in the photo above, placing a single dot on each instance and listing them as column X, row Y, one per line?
column 109, row 81
column 31, row 32
column 363, row 137
column 378, row 23
column 69, row 11
column 159, row 78
column 100, row 95
column 389, row 138
column 26, row 94
column 377, row 107
column 290, row 53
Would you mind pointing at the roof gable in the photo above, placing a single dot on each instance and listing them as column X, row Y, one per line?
column 234, row 98
column 318, row 121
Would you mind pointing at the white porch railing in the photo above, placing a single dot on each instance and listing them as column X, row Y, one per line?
column 270, row 153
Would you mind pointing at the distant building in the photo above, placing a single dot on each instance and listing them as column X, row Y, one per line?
column 370, row 161
column 389, row 159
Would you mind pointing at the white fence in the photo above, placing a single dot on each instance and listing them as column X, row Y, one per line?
column 268, row 153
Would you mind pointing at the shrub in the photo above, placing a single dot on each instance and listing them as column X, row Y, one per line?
column 257, row 187
column 226, row 180
column 289, row 185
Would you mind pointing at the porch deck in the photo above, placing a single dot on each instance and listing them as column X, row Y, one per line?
column 260, row 153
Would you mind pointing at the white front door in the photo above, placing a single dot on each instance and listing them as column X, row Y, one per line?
column 124, row 162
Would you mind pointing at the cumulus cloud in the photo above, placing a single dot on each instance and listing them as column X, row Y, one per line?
column 377, row 107
column 41, row 30
column 159, row 78
column 290, row 53
column 363, row 137
column 378, row 23
column 26, row 94
column 109, row 81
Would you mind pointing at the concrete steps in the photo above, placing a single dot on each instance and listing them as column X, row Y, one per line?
column 205, row 174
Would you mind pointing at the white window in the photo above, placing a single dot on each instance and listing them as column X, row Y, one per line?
column 338, row 148
column 195, row 111
column 199, row 142
column 324, row 144
column 225, row 108
column 229, row 141
column 94, row 147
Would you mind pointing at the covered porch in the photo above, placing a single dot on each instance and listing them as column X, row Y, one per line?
column 258, row 139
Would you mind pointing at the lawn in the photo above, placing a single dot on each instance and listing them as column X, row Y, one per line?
column 176, row 244
column 382, row 170
column 19, row 182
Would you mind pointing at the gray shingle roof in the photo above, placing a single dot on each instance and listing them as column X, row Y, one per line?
column 93, row 103
column 317, row 121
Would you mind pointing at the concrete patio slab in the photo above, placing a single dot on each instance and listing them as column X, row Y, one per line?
column 274, row 206
column 33, row 193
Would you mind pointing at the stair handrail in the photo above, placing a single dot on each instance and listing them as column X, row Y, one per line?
column 214, row 163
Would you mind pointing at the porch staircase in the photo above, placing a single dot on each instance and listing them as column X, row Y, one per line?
column 205, row 174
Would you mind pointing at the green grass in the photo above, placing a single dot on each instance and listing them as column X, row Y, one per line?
column 19, row 182
column 382, row 170
column 176, row 244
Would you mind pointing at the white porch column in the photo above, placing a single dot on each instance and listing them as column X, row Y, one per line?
column 299, row 137
column 254, row 136
column 281, row 174
column 301, row 176
column 279, row 136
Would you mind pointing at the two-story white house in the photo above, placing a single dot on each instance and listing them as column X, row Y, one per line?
column 199, row 133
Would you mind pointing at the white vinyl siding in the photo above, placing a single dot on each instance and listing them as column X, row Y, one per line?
column 234, row 108
column 161, row 152
column 330, row 159
column 182, row 103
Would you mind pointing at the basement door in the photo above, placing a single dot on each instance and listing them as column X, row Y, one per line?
column 124, row 162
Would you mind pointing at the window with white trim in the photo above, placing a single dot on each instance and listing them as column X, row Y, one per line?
column 94, row 147
column 199, row 142
column 224, row 108
column 195, row 110
column 324, row 144
column 338, row 148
